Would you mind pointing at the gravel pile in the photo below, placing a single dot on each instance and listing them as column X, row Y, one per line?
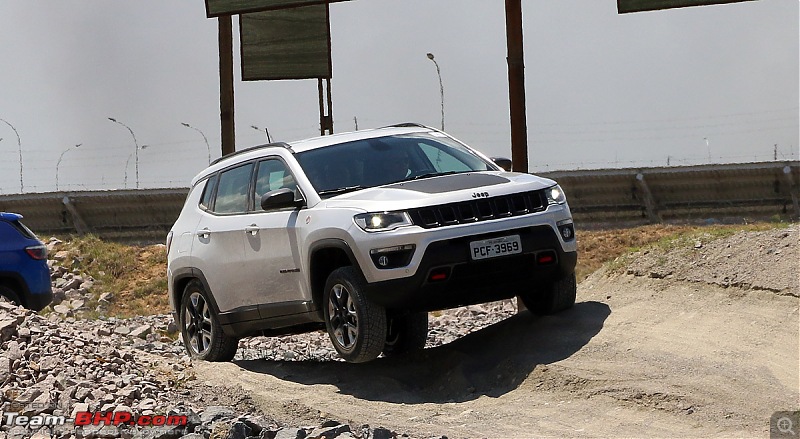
column 62, row 366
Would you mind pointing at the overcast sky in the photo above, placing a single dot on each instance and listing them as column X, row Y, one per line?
column 603, row 90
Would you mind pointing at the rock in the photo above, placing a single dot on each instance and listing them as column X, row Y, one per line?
column 62, row 309
column 60, row 255
column 291, row 433
column 216, row 413
column 239, row 430
column 141, row 331
column 382, row 433
column 330, row 432
column 122, row 330
column 8, row 328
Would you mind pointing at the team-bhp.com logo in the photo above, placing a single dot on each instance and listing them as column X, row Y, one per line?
column 94, row 418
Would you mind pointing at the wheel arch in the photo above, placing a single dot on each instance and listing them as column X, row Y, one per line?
column 181, row 279
column 14, row 282
column 327, row 255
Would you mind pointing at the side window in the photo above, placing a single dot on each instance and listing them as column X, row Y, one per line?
column 208, row 192
column 233, row 190
column 273, row 175
column 443, row 161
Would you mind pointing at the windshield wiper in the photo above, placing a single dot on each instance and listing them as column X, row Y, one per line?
column 434, row 174
column 341, row 190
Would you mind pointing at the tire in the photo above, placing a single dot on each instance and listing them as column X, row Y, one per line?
column 200, row 329
column 10, row 295
column 557, row 296
column 356, row 326
column 406, row 333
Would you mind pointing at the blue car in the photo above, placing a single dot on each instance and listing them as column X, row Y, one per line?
column 24, row 275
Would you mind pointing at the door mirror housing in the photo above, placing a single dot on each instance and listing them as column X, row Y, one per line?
column 502, row 162
column 280, row 199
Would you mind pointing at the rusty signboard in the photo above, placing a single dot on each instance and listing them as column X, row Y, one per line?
column 625, row 6
column 216, row 8
column 286, row 44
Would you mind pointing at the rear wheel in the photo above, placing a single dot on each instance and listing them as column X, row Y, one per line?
column 356, row 326
column 406, row 333
column 200, row 328
column 555, row 297
column 10, row 295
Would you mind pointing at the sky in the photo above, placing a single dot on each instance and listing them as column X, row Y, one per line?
column 715, row 84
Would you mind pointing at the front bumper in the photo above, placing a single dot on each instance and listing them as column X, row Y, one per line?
column 470, row 282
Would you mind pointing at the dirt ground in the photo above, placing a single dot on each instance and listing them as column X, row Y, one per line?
column 671, row 342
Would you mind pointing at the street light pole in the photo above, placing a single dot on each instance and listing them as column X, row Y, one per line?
column 205, row 139
column 266, row 130
column 135, row 151
column 59, row 161
column 441, row 85
column 19, row 145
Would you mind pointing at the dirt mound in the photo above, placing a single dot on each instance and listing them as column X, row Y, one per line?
column 767, row 260
column 694, row 337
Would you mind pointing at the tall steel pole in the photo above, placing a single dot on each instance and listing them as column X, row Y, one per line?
column 59, row 161
column 205, row 139
column 19, row 145
column 226, row 107
column 441, row 85
column 516, row 86
column 135, row 151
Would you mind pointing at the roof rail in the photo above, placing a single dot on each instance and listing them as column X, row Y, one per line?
column 409, row 125
column 253, row 148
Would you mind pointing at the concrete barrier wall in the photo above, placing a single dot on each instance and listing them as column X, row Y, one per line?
column 605, row 197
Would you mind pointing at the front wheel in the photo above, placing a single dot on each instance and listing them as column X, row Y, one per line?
column 200, row 328
column 554, row 297
column 356, row 326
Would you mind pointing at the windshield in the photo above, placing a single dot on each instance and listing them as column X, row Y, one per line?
column 366, row 163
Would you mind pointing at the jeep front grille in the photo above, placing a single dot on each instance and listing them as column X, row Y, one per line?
column 480, row 209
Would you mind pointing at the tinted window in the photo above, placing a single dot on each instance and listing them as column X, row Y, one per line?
column 273, row 175
column 384, row 160
column 208, row 192
column 233, row 190
column 21, row 228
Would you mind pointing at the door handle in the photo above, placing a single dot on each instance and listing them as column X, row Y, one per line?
column 252, row 229
column 205, row 233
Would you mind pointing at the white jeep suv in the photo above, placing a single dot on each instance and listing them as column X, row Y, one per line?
column 362, row 234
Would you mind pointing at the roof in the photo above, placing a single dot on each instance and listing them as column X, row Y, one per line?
column 308, row 144
column 8, row 216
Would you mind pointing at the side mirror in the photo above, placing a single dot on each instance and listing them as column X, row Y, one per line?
column 280, row 199
column 502, row 162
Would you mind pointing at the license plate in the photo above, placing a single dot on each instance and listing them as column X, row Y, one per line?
column 492, row 248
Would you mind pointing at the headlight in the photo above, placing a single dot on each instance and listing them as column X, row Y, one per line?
column 381, row 221
column 555, row 195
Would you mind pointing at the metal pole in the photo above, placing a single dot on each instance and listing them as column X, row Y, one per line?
column 266, row 131
column 441, row 85
column 205, row 139
column 516, row 86
column 19, row 145
column 135, row 151
column 59, row 161
column 226, row 85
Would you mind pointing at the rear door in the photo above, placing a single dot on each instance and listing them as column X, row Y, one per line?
column 219, row 239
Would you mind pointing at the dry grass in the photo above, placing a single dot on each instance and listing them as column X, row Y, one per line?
column 597, row 247
column 136, row 275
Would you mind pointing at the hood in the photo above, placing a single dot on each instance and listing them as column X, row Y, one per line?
column 438, row 190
